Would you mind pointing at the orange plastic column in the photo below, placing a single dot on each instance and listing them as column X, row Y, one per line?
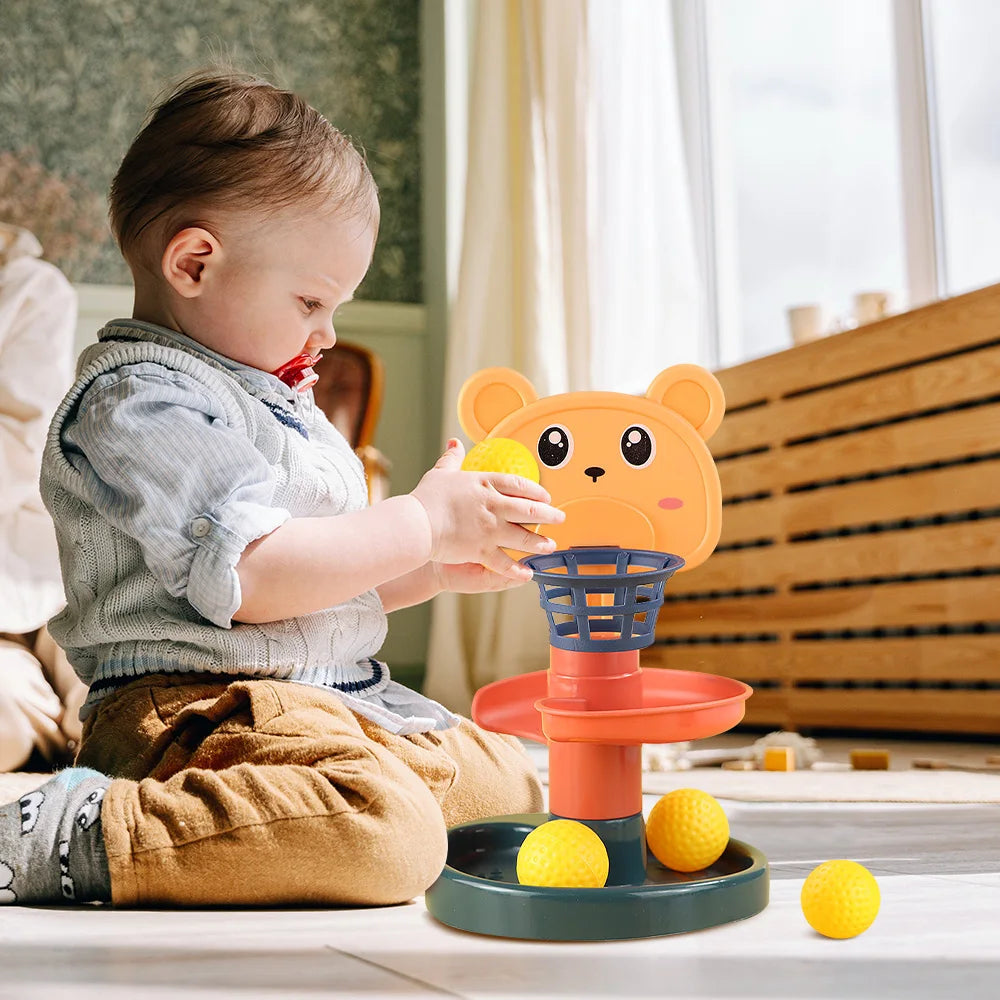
column 606, row 681
column 595, row 780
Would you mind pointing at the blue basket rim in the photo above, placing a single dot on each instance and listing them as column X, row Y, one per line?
column 543, row 574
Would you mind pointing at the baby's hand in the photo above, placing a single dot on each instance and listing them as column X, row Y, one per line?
column 472, row 578
column 474, row 516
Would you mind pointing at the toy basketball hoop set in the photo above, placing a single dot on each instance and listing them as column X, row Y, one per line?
column 642, row 501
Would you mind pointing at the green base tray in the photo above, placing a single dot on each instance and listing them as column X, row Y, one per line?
column 478, row 891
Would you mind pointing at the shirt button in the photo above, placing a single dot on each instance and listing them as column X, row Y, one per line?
column 200, row 527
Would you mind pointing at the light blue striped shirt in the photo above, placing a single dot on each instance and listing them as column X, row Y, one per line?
column 164, row 461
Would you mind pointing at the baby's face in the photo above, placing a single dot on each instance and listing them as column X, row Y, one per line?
column 277, row 285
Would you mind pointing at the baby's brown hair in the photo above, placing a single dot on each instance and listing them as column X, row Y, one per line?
column 231, row 139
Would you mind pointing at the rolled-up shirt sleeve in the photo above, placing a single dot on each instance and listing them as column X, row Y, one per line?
column 159, row 461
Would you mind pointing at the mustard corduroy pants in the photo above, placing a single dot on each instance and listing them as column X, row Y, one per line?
column 269, row 793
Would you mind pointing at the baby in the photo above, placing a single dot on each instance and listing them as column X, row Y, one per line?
column 227, row 584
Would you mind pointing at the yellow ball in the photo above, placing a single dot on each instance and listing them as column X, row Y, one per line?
column 687, row 830
column 564, row 854
column 502, row 455
column 840, row 899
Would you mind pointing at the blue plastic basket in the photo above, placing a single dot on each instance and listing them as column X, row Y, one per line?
column 635, row 577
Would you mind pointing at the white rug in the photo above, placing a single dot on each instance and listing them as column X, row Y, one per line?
column 830, row 786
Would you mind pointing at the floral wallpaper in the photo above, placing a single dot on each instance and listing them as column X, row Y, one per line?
column 76, row 80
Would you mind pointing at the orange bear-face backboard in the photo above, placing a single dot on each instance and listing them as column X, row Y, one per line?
column 631, row 471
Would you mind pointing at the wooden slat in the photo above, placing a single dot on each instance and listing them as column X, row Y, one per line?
column 931, row 658
column 767, row 708
column 895, row 605
column 920, row 494
column 941, row 383
column 920, row 658
column 926, row 711
column 956, row 323
column 746, row 522
column 747, row 661
column 936, row 548
column 741, row 569
column 931, row 439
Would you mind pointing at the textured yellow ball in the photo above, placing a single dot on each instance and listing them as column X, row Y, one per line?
column 502, row 455
column 565, row 854
column 687, row 830
column 840, row 899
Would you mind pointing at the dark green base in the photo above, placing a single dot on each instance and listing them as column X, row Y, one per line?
column 478, row 891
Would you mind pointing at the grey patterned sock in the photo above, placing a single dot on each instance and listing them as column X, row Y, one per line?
column 51, row 847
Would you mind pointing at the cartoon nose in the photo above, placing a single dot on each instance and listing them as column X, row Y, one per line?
column 595, row 472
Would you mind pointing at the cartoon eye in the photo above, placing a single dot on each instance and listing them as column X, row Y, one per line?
column 555, row 446
column 638, row 446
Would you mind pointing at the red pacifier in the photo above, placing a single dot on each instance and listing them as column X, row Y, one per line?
column 298, row 373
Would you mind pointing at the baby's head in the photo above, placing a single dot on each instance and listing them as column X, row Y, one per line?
column 245, row 217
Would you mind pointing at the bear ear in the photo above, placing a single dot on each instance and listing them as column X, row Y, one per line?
column 692, row 392
column 489, row 396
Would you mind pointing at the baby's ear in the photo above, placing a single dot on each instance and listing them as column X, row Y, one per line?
column 489, row 396
column 692, row 392
column 187, row 258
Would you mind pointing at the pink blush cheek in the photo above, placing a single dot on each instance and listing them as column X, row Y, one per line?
column 670, row 503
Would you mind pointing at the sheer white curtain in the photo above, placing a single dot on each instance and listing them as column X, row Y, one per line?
column 645, row 291
column 578, row 265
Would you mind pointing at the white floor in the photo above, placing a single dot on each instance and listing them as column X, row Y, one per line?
column 937, row 936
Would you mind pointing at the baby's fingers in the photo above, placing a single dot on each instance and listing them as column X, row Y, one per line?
column 521, row 540
column 517, row 486
column 501, row 563
column 518, row 511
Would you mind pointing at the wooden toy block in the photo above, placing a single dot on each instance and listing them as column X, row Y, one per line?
column 779, row 759
column 739, row 765
column 870, row 760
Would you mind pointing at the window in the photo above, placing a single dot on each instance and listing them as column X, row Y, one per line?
column 806, row 149
column 966, row 83
column 837, row 147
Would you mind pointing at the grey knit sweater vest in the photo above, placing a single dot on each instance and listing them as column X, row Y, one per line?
column 121, row 623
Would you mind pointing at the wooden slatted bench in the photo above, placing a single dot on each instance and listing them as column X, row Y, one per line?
column 857, row 580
